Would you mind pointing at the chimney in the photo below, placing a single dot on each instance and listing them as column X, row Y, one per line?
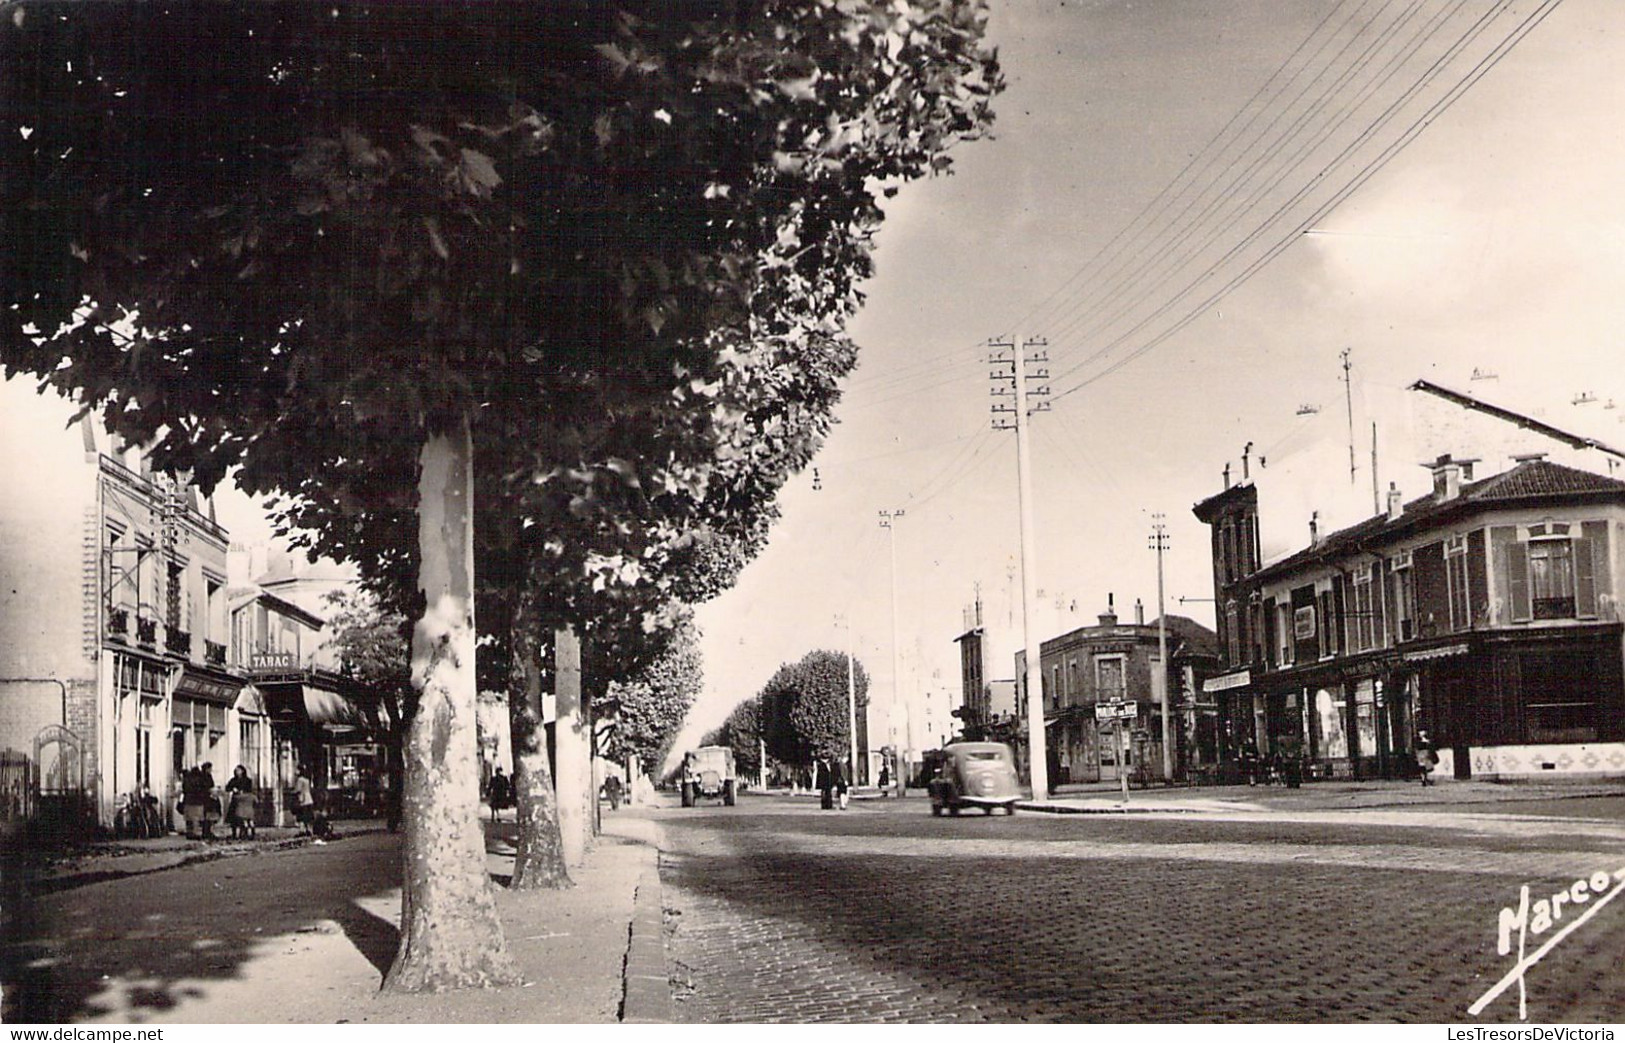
column 1246, row 452
column 1108, row 618
column 1139, row 612
column 1227, row 474
column 1396, row 501
column 1314, row 528
column 1446, row 478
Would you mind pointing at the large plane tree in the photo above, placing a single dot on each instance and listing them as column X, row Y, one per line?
column 292, row 239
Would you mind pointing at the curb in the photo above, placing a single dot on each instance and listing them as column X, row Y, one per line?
column 647, row 982
column 1122, row 809
column 50, row 883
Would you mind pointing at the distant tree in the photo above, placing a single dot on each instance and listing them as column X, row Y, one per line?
column 741, row 732
column 372, row 641
column 805, row 707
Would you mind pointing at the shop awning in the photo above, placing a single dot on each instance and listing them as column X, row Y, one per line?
column 330, row 710
column 252, row 700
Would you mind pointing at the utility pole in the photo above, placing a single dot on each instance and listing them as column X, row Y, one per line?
column 851, row 708
column 1014, row 354
column 1348, row 400
column 1159, row 543
column 888, row 521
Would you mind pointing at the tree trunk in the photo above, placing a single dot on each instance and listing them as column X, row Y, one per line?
column 539, row 861
column 451, row 937
column 572, row 740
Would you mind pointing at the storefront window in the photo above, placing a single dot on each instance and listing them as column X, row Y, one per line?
column 1331, row 742
column 1365, row 713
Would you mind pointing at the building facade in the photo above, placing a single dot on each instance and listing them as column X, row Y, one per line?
column 113, row 642
column 1485, row 613
column 1089, row 670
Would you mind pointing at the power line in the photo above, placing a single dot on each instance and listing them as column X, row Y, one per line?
column 1415, row 128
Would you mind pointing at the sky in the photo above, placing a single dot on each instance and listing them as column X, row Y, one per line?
column 1199, row 205
column 1132, row 135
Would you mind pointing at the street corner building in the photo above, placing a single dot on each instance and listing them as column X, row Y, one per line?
column 137, row 642
column 1484, row 613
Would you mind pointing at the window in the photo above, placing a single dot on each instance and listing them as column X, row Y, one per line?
column 1455, row 573
column 1232, row 634
column 1328, row 631
column 1551, row 577
column 1363, row 625
column 1283, row 635
column 1404, row 597
column 1554, row 570
column 1110, row 683
column 1560, row 696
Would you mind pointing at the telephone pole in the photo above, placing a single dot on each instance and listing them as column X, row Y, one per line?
column 1013, row 353
column 851, row 708
column 888, row 521
column 1159, row 543
column 1348, row 400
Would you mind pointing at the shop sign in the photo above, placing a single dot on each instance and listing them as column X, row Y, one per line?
column 1303, row 622
column 1225, row 682
column 1105, row 712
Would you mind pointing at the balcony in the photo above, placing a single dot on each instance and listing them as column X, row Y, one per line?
column 178, row 641
column 146, row 632
column 118, row 622
column 214, row 653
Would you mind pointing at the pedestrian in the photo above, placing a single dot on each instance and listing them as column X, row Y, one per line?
column 211, row 802
column 1427, row 756
column 193, row 797
column 501, row 793
column 612, row 790
column 885, row 777
column 838, row 770
column 304, row 803
column 824, row 779
column 240, row 804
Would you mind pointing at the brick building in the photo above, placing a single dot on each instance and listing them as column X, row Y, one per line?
column 1485, row 612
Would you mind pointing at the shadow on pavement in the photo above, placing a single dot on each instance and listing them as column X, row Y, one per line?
column 147, row 943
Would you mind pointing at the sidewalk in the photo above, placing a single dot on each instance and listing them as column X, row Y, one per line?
column 1106, row 797
column 590, row 954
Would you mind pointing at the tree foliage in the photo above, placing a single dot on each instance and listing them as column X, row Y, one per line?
column 804, row 707
column 649, row 709
column 742, row 733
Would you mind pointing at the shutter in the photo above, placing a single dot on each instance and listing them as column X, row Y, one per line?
column 1585, row 578
column 1596, row 533
column 1517, row 569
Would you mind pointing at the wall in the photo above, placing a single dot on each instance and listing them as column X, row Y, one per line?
column 1527, row 762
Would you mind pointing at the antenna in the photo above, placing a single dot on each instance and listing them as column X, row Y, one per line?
column 1308, row 410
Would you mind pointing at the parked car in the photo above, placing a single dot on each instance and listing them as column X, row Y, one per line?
column 975, row 774
column 708, row 772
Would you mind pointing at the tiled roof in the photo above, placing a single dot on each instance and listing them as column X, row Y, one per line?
column 1531, row 479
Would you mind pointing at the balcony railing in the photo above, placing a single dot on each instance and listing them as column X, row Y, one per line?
column 178, row 641
column 118, row 622
column 146, row 631
column 214, row 653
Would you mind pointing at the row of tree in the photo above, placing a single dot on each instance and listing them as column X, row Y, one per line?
column 534, row 305
column 806, row 711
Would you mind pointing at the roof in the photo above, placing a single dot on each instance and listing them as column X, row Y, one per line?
column 1531, row 481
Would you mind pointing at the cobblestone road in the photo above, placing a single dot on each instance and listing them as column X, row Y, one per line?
column 777, row 912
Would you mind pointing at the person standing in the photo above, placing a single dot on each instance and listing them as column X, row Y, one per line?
column 824, row 779
column 193, row 796
column 240, row 803
column 1427, row 756
column 304, row 802
column 838, row 770
column 501, row 793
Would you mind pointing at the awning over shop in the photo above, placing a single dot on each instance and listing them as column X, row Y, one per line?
column 323, row 708
column 207, row 688
column 330, row 710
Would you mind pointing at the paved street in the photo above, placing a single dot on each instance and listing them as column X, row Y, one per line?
column 778, row 912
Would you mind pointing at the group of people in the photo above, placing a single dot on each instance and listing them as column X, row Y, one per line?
column 829, row 776
column 202, row 808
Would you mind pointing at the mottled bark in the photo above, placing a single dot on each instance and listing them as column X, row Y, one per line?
column 572, row 745
column 450, row 935
column 539, row 862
